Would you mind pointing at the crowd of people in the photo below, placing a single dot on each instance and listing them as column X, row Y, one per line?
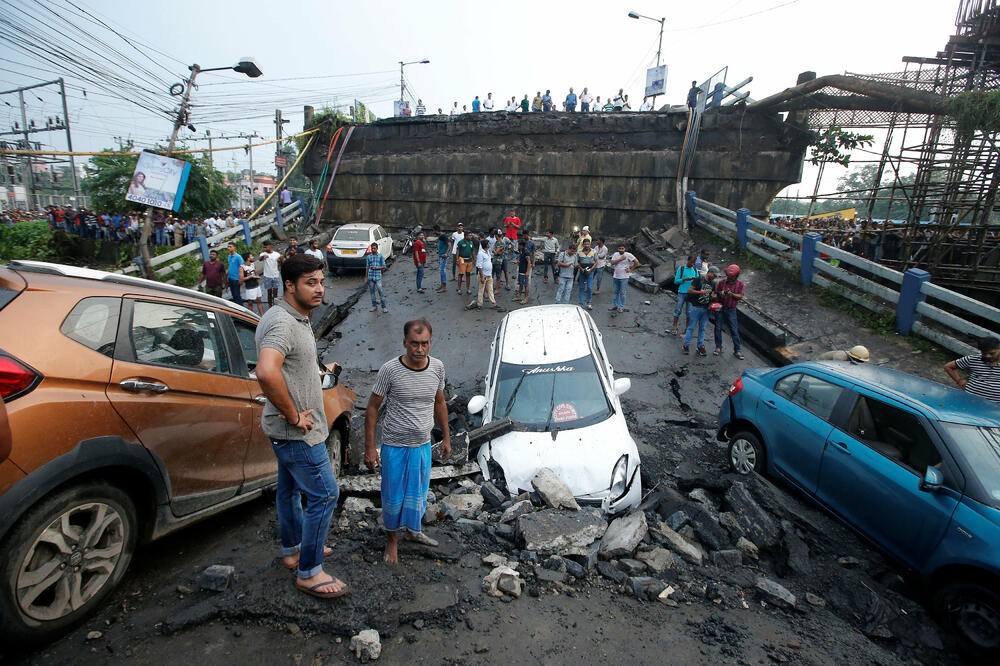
column 540, row 103
column 880, row 240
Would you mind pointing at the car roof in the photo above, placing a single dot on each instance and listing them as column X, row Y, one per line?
column 358, row 225
column 937, row 400
column 545, row 334
column 129, row 283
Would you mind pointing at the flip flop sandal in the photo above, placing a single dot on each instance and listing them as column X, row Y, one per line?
column 739, row 355
column 717, row 352
column 327, row 552
column 314, row 590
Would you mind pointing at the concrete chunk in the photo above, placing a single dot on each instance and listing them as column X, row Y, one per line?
column 658, row 559
column 467, row 505
column 760, row 526
column 553, row 491
column 366, row 645
column 554, row 531
column 624, row 535
column 775, row 593
column 678, row 544
column 492, row 495
column 516, row 510
column 611, row 572
column 727, row 559
column 217, row 577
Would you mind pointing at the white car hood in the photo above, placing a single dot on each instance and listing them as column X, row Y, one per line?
column 583, row 458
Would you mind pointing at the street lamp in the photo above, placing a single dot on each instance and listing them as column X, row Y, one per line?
column 246, row 66
column 659, row 47
column 402, row 83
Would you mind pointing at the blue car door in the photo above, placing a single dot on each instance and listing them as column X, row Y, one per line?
column 793, row 419
column 871, row 473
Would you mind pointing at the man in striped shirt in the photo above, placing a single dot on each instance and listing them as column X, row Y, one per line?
column 984, row 370
column 412, row 388
column 729, row 292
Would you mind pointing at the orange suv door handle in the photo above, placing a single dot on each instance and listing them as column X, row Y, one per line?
column 136, row 386
column 260, row 399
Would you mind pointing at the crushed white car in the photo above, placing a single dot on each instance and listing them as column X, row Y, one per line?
column 549, row 373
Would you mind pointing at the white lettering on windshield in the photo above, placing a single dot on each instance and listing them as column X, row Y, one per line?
column 553, row 368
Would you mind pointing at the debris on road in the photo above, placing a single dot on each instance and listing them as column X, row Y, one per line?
column 366, row 645
column 217, row 577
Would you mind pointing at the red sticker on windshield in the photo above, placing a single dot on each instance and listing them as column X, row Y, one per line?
column 563, row 412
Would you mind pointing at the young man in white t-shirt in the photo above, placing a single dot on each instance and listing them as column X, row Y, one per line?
column 456, row 237
column 623, row 263
column 272, row 271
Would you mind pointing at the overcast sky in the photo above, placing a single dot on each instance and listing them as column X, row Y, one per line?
column 513, row 47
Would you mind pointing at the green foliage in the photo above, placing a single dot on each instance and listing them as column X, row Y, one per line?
column 109, row 177
column 976, row 110
column 27, row 240
column 189, row 274
column 328, row 120
column 828, row 144
column 856, row 184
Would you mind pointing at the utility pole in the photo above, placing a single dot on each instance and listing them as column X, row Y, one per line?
column 211, row 159
column 29, row 182
column 69, row 140
column 278, row 122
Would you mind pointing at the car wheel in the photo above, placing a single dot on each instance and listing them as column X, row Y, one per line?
column 64, row 558
column 973, row 612
column 333, row 446
column 746, row 454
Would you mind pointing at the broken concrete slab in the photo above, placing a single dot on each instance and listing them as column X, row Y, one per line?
column 631, row 566
column 647, row 588
column 217, row 577
column 748, row 547
column 611, row 572
column 372, row 483
column 554, row 531
column 707, row 530
column 553, row 491
column 467, row 505
column 366, row 645
column 624, row 535
column 429, row 599
column 760, row 526
column 357, row 505
column 511, row 582
column 492, row 495
column 585, row 557
column 658, row 559
column 775, row 593
column 798, row 554
column 448, row 548
column 677, row 543
column 549, row 576
column 727, row 559
column 516, row 510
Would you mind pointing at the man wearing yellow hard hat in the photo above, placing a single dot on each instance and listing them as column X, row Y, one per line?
column 856, row 354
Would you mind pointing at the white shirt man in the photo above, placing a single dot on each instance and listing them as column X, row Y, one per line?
column 210, row 225
column 646, row 105
column 484, row 263
column 512, row 107
column 315, row 253
column 454, row 110
column 270, row 260
column 456, row 238
column 488, row 102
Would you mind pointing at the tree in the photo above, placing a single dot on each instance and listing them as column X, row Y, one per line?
column 109, row 175
column 858, row 183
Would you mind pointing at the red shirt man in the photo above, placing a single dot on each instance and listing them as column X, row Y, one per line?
column 513, row 223
column 419, row 252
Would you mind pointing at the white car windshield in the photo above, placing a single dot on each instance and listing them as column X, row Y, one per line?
column 980, row 446
column 351, row 235
column 555, row 396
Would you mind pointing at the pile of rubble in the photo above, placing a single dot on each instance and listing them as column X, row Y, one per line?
column 728, row 541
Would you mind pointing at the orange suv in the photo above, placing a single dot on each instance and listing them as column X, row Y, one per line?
column 133, row 410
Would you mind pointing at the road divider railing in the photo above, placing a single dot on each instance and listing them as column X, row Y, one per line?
column 902, row 294
column 244, row 230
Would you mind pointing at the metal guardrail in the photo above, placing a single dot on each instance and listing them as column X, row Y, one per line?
column 810, row 257
column 250, row 229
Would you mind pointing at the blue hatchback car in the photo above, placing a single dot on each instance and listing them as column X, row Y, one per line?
column 911, row 464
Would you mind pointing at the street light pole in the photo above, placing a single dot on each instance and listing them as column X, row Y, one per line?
column 659, row 47
column 246, row 66
column 402, row 81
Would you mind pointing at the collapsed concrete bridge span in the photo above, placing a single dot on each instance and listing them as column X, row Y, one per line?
column 612, row 171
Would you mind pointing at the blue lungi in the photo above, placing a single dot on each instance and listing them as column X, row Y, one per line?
column 406, row 477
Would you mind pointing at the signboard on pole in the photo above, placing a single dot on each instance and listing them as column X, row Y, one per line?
column 158, row 181
column 656, row 80
column 280, row 161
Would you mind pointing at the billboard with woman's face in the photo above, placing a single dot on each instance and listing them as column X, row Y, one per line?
column 158, row 181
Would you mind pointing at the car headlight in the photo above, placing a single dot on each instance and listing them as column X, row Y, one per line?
column 619, row 478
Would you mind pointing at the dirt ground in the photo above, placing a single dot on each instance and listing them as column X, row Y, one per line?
column 431, row 608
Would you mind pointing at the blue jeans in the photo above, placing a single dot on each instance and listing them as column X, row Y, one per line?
column 420, row 275
column 586, row 284
column 598, row 275
column 373, row 287
column 682, row 304
column 584, row 107
column 699, row 318
column 728, row 317
column 443, row 266
column 304, row 470
column 621, row 287
column 234, row 291
column 161, row 235
column 565, row 288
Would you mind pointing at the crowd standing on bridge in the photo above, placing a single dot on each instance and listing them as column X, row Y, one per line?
column 540, row 103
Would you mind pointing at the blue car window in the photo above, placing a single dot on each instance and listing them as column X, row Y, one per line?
column 893, row 432
column 816, row 395
column 786, row 385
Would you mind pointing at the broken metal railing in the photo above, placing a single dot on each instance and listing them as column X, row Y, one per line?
column 807, row 255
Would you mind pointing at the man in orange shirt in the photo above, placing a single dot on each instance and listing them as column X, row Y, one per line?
column 512, row 223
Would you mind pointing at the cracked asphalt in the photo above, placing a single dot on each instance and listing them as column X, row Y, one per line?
column 430, row 609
